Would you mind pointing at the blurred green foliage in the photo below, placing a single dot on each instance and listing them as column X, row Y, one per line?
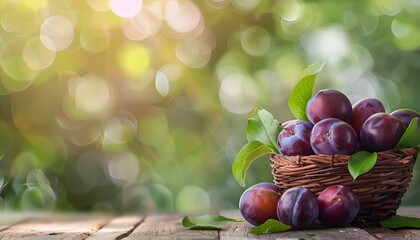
column 141, row 106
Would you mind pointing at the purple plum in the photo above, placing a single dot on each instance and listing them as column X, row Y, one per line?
column 294, row 139
column 259, row 203
column 329, row 104
column 381, row 132
column 406, row 115
column 297, row 208
column 338, row 205
column 362, row 110
column 333, row 136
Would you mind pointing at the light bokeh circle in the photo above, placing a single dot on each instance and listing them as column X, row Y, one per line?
column 57, row 33
column 36, row 55
column 125, row 8
column 182, row 16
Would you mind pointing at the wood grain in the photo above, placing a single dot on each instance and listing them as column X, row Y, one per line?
column 8, row 219
column 383, row 233
column 234, row 231
column 93, row 226
column 168, row 227
column 117, row 228
column 57, row 226
column 239, row 230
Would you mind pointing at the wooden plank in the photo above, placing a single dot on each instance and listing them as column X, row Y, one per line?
column 384, row 233
column 239, row 230
column 57, row 226
column 409, row 211
column 236, row 231
column 8, row 219
column 409, row 233
column 117, row 228
column 168, row 227
column 329, row 233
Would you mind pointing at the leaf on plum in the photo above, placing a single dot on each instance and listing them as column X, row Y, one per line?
column 400, row 222
column 271, row 226
column 302, row 92
column 411, row 137
column 245, row 157
column 206, row 222
column 264, row 128
column 361, row 163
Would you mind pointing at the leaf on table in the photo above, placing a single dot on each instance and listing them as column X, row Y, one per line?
column 245, row 157
column 271, row 226
column 361, row 163
column 206, row 222
column 302, row 92
column 264, row 128
column 400, row 222
column 411, row 137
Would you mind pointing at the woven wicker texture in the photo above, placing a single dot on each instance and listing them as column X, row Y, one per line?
column 379, row 191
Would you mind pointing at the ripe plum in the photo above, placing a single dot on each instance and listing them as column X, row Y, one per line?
column 329, row 104
column 297, row 208
column 362, row 110
column 259, row 202
column 294, row 139
column 406, row 115
column 381, row 132
column 333, row 136
column 338, row 205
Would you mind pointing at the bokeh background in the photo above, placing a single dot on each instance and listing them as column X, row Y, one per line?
column 141, row 106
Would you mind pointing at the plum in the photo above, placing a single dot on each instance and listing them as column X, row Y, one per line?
column 333, row 136
column 259, row 202
column 406, row 115
column 297, row 208
column 329, row 104
column 362, row 110
column 338, row 205
column 381, row 132
column 294, row 139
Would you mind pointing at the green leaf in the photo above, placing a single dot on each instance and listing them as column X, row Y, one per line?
column 401, row 222
column 206, row 222
column 270, row 226
column 262, row 127
column 302, row 92
column 411, row 137
column 245, row 157
column 361, row 163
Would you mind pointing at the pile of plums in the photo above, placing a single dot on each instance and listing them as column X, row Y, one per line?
column 298, row 207
column 337, row 127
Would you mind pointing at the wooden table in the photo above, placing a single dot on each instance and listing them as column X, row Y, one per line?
column 92, row 226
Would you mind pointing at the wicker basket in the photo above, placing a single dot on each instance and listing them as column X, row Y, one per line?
column 379, row 191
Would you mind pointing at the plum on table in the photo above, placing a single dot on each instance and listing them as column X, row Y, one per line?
column 259, row 203
column 338, row 205
column 297, row 208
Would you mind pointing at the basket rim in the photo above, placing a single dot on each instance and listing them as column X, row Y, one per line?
column 344, row 155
